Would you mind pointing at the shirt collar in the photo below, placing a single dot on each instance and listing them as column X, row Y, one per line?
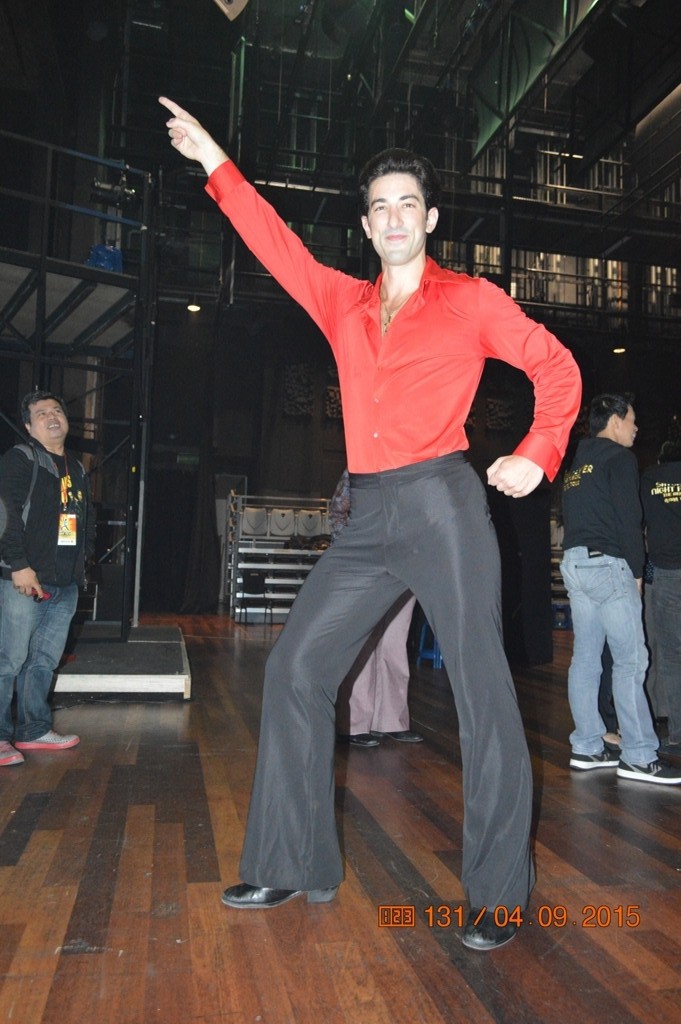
column 431, row 272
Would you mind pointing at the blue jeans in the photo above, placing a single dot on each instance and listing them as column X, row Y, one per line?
column 666, row 601
column 605, row 605
column 32, row 640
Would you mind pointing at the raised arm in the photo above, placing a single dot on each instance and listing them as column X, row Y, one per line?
column 190, row 139
column 309, row 282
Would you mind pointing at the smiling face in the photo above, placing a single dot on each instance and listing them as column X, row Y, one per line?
column 397, row 222
column 48, row 424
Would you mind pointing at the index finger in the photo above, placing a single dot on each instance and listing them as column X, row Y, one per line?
column 173, row 107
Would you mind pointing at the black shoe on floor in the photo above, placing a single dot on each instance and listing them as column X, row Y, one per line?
column 587, row 762
column 658, row 772
column 252, row 897
column 670, row 749
column 405, row 736
column 486, row 934
column 358, row 739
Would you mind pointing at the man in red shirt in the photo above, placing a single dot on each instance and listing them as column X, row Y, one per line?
column 410, row 350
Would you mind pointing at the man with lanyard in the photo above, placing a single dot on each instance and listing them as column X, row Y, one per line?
column 46, row 537
column 410, row 350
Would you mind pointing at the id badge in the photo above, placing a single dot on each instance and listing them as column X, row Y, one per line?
column 67, row 529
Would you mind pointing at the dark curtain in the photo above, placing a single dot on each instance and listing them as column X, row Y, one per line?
column 202, row 583
column 171, row 500
column 524, row 533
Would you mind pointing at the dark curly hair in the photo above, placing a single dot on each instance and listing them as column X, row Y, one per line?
column 400, row 161
column 38, row 396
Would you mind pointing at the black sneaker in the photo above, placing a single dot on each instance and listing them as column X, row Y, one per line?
column 670, row 749
column 659, row 772
column 585, row 762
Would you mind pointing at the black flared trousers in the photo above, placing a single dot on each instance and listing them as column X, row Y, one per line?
column 425, row 528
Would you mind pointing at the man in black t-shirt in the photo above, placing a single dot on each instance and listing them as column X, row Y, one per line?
column 603, row 568
column 46, row 535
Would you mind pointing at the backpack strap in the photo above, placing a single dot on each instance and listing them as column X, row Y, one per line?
column 34, row 456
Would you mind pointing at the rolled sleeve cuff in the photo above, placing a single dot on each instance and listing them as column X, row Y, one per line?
column 223, row 179
column 541, row 451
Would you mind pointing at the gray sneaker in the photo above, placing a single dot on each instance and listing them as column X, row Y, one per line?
column 49, row 741
column 586, row 762
column 658, row 772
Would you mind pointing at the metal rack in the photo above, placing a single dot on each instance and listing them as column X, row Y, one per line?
column 282, row 537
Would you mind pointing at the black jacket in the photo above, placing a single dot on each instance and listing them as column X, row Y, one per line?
column 661, row 494
column 601, row 504
column 34, row 544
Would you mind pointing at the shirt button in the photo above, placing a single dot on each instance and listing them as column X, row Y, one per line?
column 375, row 399
column 376, row 433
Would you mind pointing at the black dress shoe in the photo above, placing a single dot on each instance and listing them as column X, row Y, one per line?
column 359, row 739
column 252, row 897
column 405, row 736
column 486, row 934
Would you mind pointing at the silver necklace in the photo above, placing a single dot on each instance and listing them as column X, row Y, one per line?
column 386, row 319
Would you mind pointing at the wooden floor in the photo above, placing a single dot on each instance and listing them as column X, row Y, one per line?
column 113, row 857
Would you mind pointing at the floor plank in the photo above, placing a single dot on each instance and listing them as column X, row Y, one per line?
column 113, row 857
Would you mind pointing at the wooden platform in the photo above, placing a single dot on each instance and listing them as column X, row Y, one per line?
column 153, row 661
column 114, row 855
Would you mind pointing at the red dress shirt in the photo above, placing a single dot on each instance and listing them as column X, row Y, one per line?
column 406, row 394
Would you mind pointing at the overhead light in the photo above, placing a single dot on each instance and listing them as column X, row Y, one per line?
column 619, row 351
column 193, row 306
column 232, row 8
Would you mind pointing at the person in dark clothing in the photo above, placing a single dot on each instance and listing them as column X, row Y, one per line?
column 602, row 568
column 661, row 496
column 47, row 533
